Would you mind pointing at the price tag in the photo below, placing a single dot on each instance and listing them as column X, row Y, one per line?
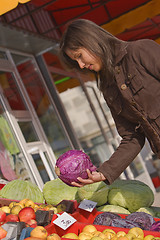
column 64, row 221
column 87, row 205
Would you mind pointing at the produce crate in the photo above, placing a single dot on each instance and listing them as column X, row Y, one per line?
column 77, row 229
column 70, row 206
column 6, row 202
column 88, row 217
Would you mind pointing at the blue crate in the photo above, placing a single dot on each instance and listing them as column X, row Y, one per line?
column 25, row 233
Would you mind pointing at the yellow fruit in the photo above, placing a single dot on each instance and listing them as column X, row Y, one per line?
column 15, row 209
column 6, row 209
column 36, row 207
column 23, row 201
column 121, row 234
column 39, row 232
column 53, row 236
column 19, row 204
column 102, row 235
column 96, row 238
column 109, row 235
column 122, row 238
column 70, row 235
column 108, row 230
column 29, row 203
column 149, row 237
column 115, row 237
column 138, row 232
column 85, row 235
column 96, row 233
column 130, row 236
column 12, row 204
column 89, row 228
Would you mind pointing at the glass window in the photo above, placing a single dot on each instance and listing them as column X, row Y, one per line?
column 41, row 168
column 13, row 164
column 11, row 91
column 28, row 131
column 42, row 104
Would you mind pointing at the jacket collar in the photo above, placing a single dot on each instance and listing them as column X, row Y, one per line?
column 120, row 51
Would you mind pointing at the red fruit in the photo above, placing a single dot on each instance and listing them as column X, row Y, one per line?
column 26, row 214
column 12, row 218
column 3, row 233
column 2, row 216
column 31, row 223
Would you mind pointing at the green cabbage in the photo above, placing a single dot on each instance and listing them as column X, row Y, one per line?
column 114, row 209
column 20, row 189
column 55, row 191
column 148, row 210
column 130, row 194
column 156, row 211
column 97, row 192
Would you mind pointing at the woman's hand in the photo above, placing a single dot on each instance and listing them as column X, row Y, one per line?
column 92, row 178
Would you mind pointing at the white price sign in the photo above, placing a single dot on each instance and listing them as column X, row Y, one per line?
column 64, row 221
column 87, row 205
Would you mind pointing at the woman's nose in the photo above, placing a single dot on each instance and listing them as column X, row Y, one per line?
column 81, row 64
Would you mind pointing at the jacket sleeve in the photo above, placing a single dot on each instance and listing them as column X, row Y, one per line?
column 131, row 144
column 147, row 53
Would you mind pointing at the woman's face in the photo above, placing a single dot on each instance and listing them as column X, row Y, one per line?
column 85, row 59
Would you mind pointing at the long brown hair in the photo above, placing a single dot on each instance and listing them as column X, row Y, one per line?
column 87, row 34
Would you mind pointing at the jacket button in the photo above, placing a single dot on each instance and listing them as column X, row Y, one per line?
column 123, row 86
column 129, row 75
column 117, row 69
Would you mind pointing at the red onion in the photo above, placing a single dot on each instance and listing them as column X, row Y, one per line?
column 73, row 164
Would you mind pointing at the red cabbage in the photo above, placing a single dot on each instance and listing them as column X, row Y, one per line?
column 145, row 220
column 73, row 164
column 155, row 226
column 106, row 218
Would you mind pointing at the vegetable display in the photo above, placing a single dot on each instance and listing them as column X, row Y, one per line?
column 130, row 194
column 137, row 219
column 113, row 208
column 56, row 190
column 144, row 220
column 106, row 218
column 73, row 164
column 97, row 192
column 20, row 189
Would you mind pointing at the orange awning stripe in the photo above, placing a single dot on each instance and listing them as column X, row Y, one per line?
column 7, row 5
column 133, row 17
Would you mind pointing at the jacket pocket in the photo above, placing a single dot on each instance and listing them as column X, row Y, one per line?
column 134, row 81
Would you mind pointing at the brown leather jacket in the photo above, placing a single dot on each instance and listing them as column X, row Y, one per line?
column 134, row 101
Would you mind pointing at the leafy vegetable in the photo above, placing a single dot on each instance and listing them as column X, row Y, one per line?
column 20, row 189
column 114, row 220
column 106, row 218
column 148, row 210
column 113, row 208
column 144, row 220
column 155, row 226
column 73, row 164
column 124, row 223
column 130, row 194
column 156, row 211
column 97, row 192
column 55, row 191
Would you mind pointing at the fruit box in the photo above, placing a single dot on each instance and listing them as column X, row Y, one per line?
column 77, row 229
column 68, row 206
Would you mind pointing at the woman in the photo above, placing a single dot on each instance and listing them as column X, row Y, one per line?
column 128, row 75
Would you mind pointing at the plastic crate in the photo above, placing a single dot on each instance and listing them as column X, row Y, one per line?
column 77, row 228
column 86, row 217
